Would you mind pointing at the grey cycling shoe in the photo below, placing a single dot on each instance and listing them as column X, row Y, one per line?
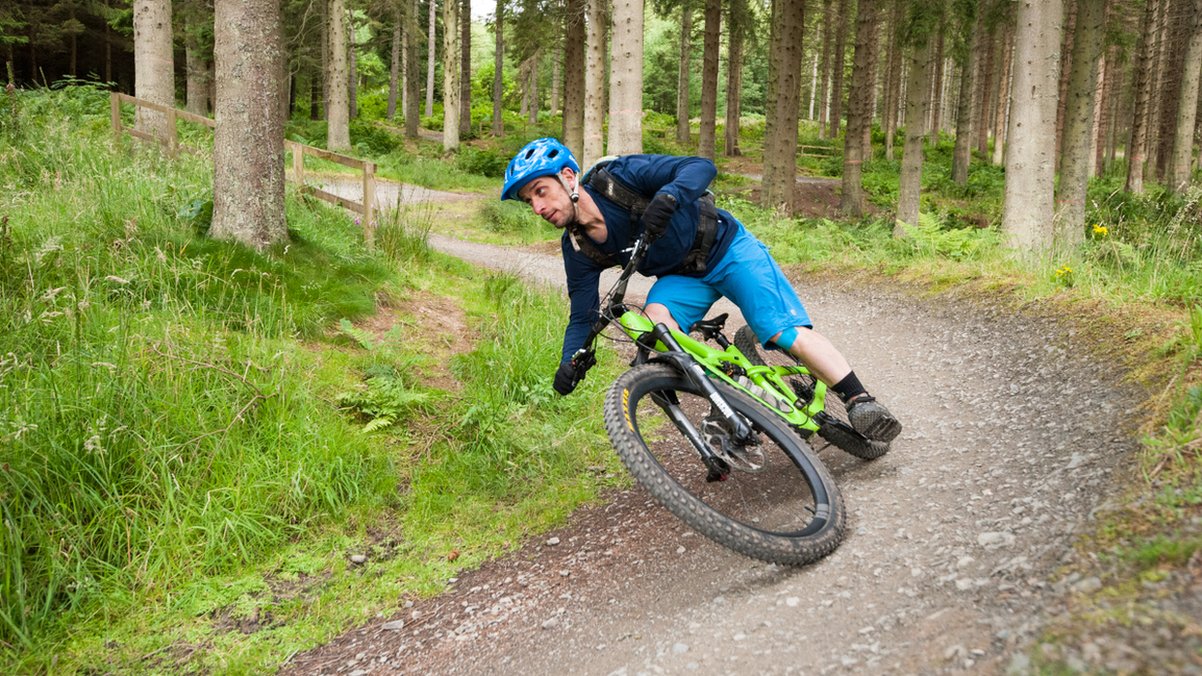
column 870, row 418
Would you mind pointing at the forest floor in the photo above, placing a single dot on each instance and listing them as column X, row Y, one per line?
column 958, row 555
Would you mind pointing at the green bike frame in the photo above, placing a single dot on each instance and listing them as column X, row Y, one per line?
column 765, row 384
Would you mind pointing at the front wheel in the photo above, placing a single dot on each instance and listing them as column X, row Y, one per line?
column 777, row 502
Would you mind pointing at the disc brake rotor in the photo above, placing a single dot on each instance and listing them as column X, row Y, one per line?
column 744, row 457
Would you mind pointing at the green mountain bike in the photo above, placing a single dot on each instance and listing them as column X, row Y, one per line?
column 714, row 433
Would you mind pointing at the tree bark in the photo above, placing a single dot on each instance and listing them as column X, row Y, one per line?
column 734, row 76
column 783, row 104
column 1030, row 158
column 626, row 79
column 859, row 109
column 248, row 145
column 338, row 134
column 430, row 55
column 1075, row 150
column 451, row 73
column 594, row 81
column 197, row 72
column 465, row 69
column 917, row 98
column 893, row 79
column 154, row 64
column 498, row 77
column 394, row 65
column 684, row 73
column 1001, row 114
column 573, row 66
column 935, row 119
column 706, row 138
column 824, row 69
column 412, row 79
column 965, row 114
column 352, row 73
column 836, row 117
column 1141, row 87
column 1187, row 108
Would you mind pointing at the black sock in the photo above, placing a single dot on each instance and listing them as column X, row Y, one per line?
column 849, row 388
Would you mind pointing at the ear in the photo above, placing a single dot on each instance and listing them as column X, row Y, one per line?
column 567, row 173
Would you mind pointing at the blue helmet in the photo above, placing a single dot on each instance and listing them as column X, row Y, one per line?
column 542, row 157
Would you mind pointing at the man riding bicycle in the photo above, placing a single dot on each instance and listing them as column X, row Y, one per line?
column 698, row 253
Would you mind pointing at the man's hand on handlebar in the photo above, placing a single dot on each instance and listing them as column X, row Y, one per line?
column 571, row 372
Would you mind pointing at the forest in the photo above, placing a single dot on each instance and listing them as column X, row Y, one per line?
column 210, row 392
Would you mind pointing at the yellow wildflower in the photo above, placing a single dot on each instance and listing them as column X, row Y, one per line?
column 1100, row 230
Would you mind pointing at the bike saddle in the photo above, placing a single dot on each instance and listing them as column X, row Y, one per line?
column 710, row 327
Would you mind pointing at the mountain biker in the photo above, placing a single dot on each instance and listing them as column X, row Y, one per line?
column 697, row 252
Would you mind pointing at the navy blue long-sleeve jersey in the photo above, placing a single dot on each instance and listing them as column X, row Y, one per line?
column 686, row 179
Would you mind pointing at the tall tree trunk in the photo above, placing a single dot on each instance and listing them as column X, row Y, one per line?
column 412, row 96
column 556, row 79
column 1069, row 226
column 154, row 65
column 573, row 66
column 196, row 72
column 594, row 81
column 1167, row 88
column 498, row 77
column 626, row 79
column 1108, row 72
column 430, row 55
column 734, row 75
column 394, row 65
column 706, row 138
column 965, row 114
column 1141, row 87
column 1030, row 158
column 1068, row 33
column 859, row 109
column 783, row 104
column 248, row 144
column 837, row 76
column 465, row 69
column 451, row 73
column 338, row 134
column 1187, row 108
column 352, row 73
column 917, row 99
column 989, row 47
column 533, row 100
column 893, row 78
column 1001, row 113
column 935, row 119
column 827, row 26
column 684, row 73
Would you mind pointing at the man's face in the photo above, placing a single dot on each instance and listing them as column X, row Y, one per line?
column 548, row 198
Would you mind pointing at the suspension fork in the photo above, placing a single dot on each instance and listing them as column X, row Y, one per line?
column 685, row 363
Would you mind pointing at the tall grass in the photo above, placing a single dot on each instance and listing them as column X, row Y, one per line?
column 154, row 421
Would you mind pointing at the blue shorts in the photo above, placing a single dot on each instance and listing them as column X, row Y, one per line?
column 749, row 277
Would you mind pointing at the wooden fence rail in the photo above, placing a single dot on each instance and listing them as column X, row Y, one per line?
column 299, row 150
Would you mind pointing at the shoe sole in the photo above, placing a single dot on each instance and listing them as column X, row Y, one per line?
column 878, row 426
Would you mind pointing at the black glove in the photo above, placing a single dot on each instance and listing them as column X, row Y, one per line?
column 658, row 214
column 571, row 372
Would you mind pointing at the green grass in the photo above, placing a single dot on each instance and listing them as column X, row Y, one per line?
column 194, row 435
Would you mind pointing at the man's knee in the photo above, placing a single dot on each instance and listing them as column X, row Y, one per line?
column 658, row 314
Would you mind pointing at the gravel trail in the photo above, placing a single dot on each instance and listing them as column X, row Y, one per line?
column 1012, row 439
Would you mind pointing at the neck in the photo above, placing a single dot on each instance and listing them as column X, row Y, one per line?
column 588, row 216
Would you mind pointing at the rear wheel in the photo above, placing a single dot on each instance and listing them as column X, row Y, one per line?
column 835, row 427
column 776, row 502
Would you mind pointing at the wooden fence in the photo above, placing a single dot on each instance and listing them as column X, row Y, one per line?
column 367, row 207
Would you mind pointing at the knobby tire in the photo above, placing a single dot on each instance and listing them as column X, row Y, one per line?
column 789, row 511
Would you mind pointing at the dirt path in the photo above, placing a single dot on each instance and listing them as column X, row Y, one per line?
column 949, row 565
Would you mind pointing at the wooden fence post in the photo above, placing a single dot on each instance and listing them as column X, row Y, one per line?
column 369, row 204
column 115, row 113
column 298, row 164
column 172, row 134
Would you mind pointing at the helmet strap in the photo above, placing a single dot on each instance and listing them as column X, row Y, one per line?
column 573, row 194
